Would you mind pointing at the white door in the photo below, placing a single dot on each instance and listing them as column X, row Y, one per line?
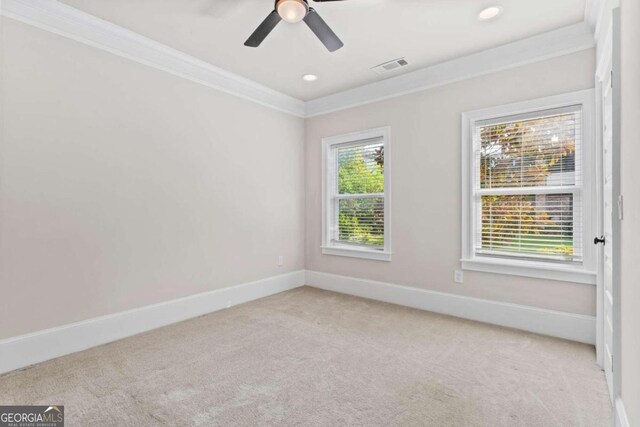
column 608, row 212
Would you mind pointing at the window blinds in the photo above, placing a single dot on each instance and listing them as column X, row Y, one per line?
column 527, row 189
column 359, row 194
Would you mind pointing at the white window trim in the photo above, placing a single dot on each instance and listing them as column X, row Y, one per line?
column 586, row 273
column 328, row 181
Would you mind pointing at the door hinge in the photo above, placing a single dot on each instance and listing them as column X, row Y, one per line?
column 620, row 207
column 611, row 356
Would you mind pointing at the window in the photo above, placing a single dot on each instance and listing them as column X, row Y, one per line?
column 356, row 195
column 528, row 205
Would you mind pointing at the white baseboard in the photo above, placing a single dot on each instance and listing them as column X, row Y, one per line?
column 25, row 350
column 621, row 414
column 570, row 326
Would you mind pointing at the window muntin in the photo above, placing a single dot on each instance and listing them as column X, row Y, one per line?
column 528, row 186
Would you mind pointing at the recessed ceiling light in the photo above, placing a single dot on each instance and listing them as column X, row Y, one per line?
column 490, row 13
column 309, row 77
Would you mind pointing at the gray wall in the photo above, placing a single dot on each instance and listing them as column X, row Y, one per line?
column 123, row 186
column 426, row 183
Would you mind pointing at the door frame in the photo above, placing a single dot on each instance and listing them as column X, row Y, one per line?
column 609, row 65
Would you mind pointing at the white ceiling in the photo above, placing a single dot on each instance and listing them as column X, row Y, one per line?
column 426, row 32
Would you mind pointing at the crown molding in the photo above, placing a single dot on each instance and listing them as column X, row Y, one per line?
column 69, row 22
column 563, row 41
column 72, row 23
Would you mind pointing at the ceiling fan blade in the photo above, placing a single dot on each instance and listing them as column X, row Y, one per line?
column 263, row 30
column 322, row 31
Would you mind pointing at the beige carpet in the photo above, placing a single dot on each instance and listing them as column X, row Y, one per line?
column 313, row 358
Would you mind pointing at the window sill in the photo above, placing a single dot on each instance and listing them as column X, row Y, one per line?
column 531, row 269
column 356, row 253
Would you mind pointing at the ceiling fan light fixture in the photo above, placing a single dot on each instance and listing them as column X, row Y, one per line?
column 292, row 11
column 295, row 11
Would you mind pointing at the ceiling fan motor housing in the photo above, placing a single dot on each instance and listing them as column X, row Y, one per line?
column 292, row 11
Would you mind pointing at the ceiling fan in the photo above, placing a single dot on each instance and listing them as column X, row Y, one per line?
column 293, row 11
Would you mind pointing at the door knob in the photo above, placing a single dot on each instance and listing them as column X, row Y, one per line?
column 599, row 240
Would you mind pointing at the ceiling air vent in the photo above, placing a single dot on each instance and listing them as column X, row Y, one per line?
column 390, row 66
